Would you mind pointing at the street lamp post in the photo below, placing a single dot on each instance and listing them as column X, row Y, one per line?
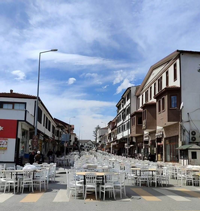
column 36, row 115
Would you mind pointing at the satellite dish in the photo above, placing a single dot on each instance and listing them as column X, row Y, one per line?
column 181, row 106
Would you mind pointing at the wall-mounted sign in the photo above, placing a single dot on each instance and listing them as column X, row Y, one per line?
column 1, row 128
column 3, row 144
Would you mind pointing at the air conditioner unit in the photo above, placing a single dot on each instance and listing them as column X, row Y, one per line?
column 194, row 136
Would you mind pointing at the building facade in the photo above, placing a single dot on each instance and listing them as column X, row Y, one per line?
column 17, row 120
column 168, row 107
column 125, row 107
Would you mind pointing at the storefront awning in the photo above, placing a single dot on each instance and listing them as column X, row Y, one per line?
column 189, row 147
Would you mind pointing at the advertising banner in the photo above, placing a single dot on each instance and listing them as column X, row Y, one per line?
column 3, row 143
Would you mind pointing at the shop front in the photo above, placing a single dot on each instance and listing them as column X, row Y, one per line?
column 171, row 152
column 9, row 147
column 159, row 146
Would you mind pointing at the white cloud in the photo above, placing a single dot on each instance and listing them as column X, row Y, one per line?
column 104, row 87
column 124, row 85
column 71, row 81
column 20, row 75
column 119, row 76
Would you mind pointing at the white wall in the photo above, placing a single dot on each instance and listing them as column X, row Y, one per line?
column 190, row 92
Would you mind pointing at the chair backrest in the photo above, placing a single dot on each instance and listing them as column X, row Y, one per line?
column 90, row 178
column 27, row 175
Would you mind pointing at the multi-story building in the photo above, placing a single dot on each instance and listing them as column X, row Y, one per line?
column 17, row 115
column 168, row 108
column 112, row 135
column 125, row 106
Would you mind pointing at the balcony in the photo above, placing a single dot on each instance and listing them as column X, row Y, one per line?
column 168, row 103
column 136, row 123
column 149, row 116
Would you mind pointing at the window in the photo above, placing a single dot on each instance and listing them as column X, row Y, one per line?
column 173, row 102
column 194, row 155
column 133, row 121
column 47, row 122
column 139, row 121
column 146, row 96
column 154, row 88
column 167, row 78
column 159, row 106
column 49, row 126
column 39, row 115
column 128, row 96
column 8, row 105
column 20, row 106
column 175, row 72
column 128, row 125
column 53, row 130
column 150, row 92
column 160, row 84
column 144, row 114
column 163, row 103
column 142, row 100
column 44, row 118
column 128, row 110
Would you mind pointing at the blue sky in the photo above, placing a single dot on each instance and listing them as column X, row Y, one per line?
column 103, row 48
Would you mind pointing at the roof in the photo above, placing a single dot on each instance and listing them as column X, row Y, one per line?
column 148, row 104
column 123, row 96
column 136, row 112
column 12, row 94
column 168, row 60
column 85, row 141
column 166, row 89
column 189, row 147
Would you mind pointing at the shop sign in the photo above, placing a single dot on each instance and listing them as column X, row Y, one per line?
column 1, row 128
column 3, row 144
column 159, row 134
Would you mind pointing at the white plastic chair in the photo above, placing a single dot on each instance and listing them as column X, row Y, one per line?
column 91, row 184
column 108, row 186
column 73, row 186
column 27, row 179
column 120, row 184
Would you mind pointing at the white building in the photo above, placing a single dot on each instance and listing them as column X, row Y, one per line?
column 125, row 106
column 17, row 115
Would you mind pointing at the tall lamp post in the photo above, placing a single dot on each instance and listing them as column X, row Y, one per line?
column 36, row 116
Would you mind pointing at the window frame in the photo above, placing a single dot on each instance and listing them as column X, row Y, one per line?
column 159, row 106
column 160, row 84
column 163, row 103
column 167, row 78
column 175, row 72
column 175, row 95
column 138, row 118
column 146, row 96
column 154, row 85
column 192, row 155
column 150, row 93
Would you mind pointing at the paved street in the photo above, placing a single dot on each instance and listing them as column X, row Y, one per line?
column 144, row 198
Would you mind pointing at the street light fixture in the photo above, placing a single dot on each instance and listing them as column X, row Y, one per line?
column 36, row 116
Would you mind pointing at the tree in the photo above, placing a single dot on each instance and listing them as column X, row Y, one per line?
column 95, row 132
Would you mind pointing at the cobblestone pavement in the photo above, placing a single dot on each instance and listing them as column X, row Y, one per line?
column 173, row 197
